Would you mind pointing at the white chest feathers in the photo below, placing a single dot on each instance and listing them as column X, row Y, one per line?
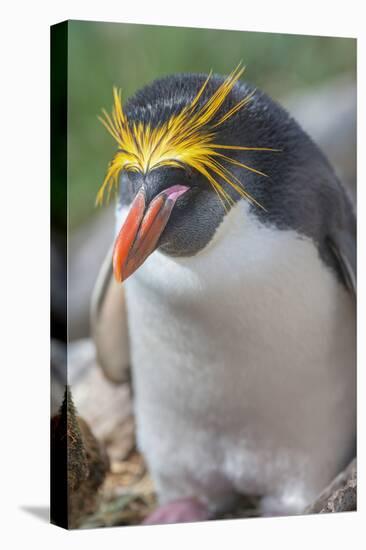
column 243, row 367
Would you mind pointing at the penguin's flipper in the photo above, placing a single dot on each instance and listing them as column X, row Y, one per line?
column 343, row 246
column 109, row 324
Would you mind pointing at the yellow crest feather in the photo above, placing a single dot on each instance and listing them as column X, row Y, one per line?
column 185, row 139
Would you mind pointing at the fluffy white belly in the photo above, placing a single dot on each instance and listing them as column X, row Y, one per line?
column 244, row 367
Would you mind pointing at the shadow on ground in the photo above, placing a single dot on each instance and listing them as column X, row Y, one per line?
column 40, row 512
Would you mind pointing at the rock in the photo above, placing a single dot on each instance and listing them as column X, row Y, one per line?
column 106, row 407
column 58, row 374
column 340, row 495
column 328, row 114
column 88, row 246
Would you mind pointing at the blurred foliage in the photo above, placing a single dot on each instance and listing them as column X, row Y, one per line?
column 105, row 54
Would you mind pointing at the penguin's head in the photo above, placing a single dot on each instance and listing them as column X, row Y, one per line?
column 189, row 147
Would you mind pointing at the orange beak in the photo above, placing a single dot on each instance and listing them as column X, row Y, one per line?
column 141, row 231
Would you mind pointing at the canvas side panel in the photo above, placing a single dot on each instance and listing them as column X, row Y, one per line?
column 59, row 53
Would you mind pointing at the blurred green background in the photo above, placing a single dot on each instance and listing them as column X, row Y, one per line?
column 101, row 55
